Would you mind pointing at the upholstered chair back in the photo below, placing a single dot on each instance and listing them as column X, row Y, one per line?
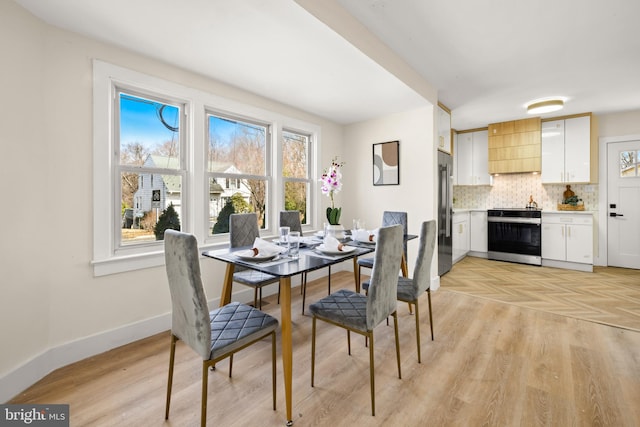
column 291, row 219
column 422, row 270
column 381, row 301
column 190, row 313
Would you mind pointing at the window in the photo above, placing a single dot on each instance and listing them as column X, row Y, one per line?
column 162, row 146
column 150, row 166
column 629, row 164
column 237, row 152
column 295, row 172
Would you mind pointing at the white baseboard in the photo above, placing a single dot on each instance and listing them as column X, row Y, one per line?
column 54, row 358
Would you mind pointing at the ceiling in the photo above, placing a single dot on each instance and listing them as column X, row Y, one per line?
column 486, row 59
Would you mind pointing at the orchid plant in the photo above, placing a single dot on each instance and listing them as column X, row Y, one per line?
column 332, row 183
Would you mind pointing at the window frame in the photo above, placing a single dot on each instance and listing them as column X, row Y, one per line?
column 181, row 171
column 310, row 214
column 195, row 194
column 229, row 177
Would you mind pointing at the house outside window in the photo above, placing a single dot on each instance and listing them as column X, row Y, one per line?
column 149, row 161
column 238, row 152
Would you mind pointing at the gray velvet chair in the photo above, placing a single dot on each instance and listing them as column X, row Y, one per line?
column 213, row 335
column 243, row 230
column 388, row 218
column 410, row 289
column 291, row 219
column 361, row 314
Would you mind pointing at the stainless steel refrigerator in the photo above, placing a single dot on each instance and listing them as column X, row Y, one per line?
column 445, row 212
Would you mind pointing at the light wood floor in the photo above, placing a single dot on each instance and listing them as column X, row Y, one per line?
column 608, row 295
column 491, row 363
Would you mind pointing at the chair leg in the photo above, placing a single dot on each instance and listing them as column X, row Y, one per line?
column 205, row 382
column 313, row 348
column 329, row 282
column 230, row 364
column 395, row 324
column 260, row 299
column 278, row 293
column 430, row 315
column 418, row 330
column 273, row 367
column 172, row 355
column 255, row 297
column 349, row 341
column 372, row 375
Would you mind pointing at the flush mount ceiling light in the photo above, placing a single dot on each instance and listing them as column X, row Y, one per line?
column 545, row 106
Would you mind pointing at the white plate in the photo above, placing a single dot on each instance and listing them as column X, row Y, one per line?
column 366, row 242
column 249, row 256
column 345, row 250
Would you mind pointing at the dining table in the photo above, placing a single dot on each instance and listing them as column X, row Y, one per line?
column 310, row 258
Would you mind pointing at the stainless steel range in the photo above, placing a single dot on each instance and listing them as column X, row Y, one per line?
column 515, row 235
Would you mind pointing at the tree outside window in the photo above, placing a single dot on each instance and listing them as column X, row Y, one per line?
column 295, row 173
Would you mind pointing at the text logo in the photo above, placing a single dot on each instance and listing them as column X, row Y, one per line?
column 34, row 415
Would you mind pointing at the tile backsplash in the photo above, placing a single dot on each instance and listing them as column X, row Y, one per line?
column 513, row 191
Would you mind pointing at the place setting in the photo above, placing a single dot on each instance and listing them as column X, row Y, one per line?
column 360, row 236
column 332, row 248
column 264, row 253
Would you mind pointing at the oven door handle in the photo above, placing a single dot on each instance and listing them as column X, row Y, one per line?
column 514, row 220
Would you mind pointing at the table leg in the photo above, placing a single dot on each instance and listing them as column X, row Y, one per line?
column 355, row 273
column 287, row 345
column 403, row 266
column 227, row 285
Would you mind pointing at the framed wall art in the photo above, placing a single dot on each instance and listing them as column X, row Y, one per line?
column 386, row 163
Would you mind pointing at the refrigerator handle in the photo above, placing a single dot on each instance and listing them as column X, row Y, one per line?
column 447, row 205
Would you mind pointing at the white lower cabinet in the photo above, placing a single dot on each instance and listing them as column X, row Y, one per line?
column 460, row 236
column 567, row 238
column 478, row 232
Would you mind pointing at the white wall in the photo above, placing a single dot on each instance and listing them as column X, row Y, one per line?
column 52, row 310
column 619, row 124
column 416, row 193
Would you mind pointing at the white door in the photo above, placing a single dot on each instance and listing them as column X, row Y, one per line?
column 623, row 204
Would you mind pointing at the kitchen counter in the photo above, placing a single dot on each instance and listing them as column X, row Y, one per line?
column 460, row 210
column 569, row 212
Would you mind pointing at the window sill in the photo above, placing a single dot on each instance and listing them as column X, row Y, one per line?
column 132, row 262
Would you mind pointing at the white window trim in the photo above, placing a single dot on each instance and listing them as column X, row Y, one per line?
column 105, row 77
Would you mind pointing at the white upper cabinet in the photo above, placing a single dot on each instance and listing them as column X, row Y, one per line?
column 566, row 150
column 577, row 149
column 472, row 151
column 444, row 130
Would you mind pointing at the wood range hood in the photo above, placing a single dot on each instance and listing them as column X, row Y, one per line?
column 515, row 146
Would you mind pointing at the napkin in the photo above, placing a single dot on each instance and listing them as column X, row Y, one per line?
column 364, row 235
column 263, row 248
column 332, row 244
